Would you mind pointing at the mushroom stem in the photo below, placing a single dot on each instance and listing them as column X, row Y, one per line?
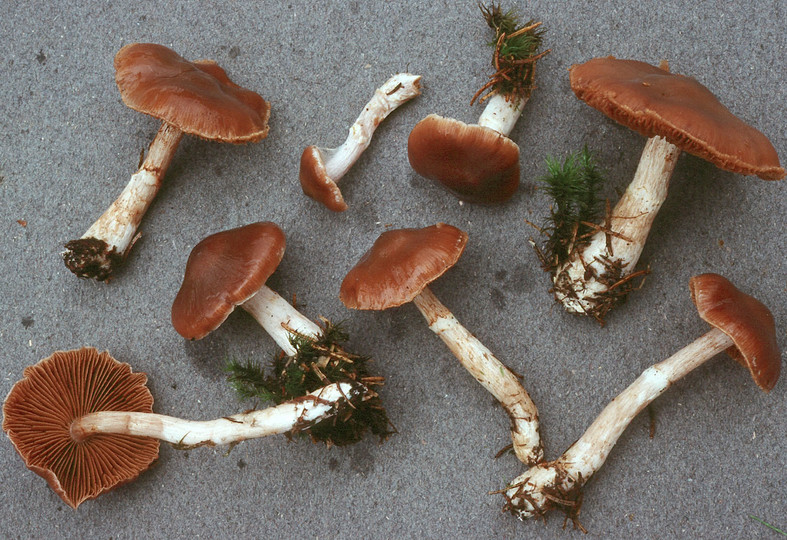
column 559, row 482
column 279, row 318
column 301, row 412
column 501, row 113
column 490, row 372
column 584, row 284
column 106, row 243
column 397, row 90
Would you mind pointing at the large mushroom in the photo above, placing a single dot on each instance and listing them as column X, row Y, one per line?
column 189, row 97
column 677, row 113
column 742, row 326
column 84, row 422
column 397, row 270
column 478, row 162
column 229, row 269
column 322, row 168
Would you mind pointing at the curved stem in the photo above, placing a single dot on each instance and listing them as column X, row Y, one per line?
column 501, row 115
column 536, row 491
column 582, row 284
column 491, row 373
column 397, row 90
column 300, row 412
column 279, row 318
column 106, row 243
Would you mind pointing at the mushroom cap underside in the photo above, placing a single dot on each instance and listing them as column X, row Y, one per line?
column 400, row 264
column 223, row 270
column 39, row 411
column 475, row 163
column 196, row 97
column 654, row 102
column 745, row 320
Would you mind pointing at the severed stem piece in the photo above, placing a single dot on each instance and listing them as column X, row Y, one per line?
column 322, row 168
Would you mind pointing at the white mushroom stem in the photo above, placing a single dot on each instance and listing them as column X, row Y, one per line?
column 583, row 282
column 491, row 373
column 279, row 318
column 117, row 226
column 305, row 410
column 558, row 482
column 397, row 90
column 501, row 114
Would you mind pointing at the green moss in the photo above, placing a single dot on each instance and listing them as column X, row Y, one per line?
column 318, row 362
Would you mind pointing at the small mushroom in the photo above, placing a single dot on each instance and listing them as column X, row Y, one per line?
column 397, row 270
column 229, row 269
column 677, row 113
column 743, row 327
column 322, row 168
column 478, row 162
column 84, row 422
column 189, row 97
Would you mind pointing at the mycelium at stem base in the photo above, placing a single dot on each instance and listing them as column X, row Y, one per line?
column 558, row 483
column 288, row 416
column 493, row 375
column 103, row 248
column 598, row 271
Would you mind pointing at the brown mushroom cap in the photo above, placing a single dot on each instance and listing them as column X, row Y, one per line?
column 400, row 264
column 196, row 97
column 224, row 270
column 39, row 410
column 315, row 180
column 653, row 101
column 745, row 320
column 475, row 163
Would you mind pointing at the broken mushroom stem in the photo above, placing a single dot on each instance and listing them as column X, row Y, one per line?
column 279, row 318
column 582, row 283
column 288, row 416
column 105, row 244
column 397, row 90
column 558, row 483
column 493, row 375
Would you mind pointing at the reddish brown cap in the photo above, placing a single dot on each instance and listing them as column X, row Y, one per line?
column 39, row 410
column 196, row 97
column 400, row 264
column 475, row 163
column 745, row 320
column 224, row 270
column 315, row 180
column 653, row 101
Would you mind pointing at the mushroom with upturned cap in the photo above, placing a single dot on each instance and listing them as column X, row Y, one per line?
column 743, row 327
column 397, row 270
column 478, row 162
column 84, row 422
column 677, row 113
column 189, row 97
column 322, row 168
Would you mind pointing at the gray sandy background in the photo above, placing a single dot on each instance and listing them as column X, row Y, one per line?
column 68, row 145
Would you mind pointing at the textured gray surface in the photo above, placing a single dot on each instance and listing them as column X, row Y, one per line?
column 68, row 145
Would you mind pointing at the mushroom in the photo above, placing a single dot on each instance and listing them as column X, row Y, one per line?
column 84, row 422
column 743, row 327
column 676, row 113
column 397, row 270
column 322, row 168
column 229, row 269
column 478, row 162
column 189, row 97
